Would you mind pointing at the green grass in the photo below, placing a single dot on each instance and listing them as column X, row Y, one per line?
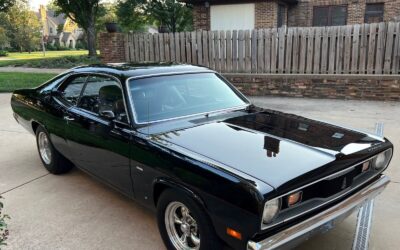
column 12, row 81
column 53, row 59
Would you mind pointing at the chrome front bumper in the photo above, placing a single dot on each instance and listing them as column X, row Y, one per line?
column 321, row 222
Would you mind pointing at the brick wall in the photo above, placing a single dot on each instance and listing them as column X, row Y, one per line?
column 301, row 15
column 112, row 47
column 382, row 88
column 201, row 17
column 266, row 14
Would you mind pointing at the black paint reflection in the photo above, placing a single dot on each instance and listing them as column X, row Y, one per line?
column 271, row 145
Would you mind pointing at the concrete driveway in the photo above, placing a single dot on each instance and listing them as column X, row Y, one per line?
column 74, row 211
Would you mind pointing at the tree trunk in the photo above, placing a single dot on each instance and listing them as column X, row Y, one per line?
column 91, row 38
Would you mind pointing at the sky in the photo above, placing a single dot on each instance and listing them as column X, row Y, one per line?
column 34, row 4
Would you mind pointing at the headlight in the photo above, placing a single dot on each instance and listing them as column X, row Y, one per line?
column 271, row 209
column 381, row 161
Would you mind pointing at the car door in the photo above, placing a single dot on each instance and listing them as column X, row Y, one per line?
column 64, row 96
column 98, row 131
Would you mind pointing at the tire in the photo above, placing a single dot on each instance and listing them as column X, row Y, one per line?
column 52, row 160
column 172, row 200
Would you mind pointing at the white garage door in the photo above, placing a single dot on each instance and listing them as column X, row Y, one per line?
column 232, row 17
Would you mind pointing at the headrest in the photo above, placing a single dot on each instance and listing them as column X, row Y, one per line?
column 110, row 93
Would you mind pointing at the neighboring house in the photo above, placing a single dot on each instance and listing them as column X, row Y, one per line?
column 59, row 28
column 236, row 14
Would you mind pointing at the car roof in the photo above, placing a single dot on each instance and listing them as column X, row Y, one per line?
column 128, row 70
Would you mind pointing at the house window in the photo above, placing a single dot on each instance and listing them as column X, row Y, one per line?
column 330, row 15
column 281, row 15
column 374, row 13
column 51, row 30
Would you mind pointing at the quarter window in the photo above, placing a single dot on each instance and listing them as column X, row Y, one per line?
column 101, row 94
column 329, row 15
column 374, row 13
column 72, row 89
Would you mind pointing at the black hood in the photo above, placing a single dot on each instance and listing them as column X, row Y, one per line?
column 271, row 146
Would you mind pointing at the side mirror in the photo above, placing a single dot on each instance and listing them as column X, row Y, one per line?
column 108, row 114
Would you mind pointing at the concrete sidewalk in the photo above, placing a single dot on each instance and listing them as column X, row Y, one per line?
column 31, row 70
column 74, row 211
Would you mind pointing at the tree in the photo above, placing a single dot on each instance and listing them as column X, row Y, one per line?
column 84, row 13
column 6, row 4
column 176, row 16
column 23, row 27
column 131, row 14
column 4, row 41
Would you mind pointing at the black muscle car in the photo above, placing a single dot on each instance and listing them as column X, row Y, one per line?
column 218, row 171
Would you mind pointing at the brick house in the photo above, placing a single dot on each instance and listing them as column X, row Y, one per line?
column 236, row 14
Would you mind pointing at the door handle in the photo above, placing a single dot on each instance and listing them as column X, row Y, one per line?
column 68, row 118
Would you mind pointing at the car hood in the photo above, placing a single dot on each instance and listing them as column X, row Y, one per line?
column 271, row 146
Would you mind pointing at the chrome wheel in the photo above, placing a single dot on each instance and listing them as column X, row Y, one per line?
column 44, row 147
column 181, row 227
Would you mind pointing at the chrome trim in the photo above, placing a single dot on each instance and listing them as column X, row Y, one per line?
column 349, row 189
column 178, row 117
column 304, row 229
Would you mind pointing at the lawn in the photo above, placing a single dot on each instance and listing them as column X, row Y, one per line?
column 12, row 81
column 53, row 59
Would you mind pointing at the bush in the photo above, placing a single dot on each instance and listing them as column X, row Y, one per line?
column 3, row 53
column 3, row 226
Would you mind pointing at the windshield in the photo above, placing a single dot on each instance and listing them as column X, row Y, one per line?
column 166, row 97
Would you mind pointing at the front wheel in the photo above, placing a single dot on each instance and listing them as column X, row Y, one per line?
column 183, row 224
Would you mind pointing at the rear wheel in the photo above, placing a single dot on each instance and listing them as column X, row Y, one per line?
column 53, row 161
column 183, row 224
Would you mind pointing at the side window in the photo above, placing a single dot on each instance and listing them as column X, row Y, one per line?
column 103, row 94
column 72, row 88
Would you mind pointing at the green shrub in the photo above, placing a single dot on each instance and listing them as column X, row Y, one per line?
column 3, row 53
column 3, row 226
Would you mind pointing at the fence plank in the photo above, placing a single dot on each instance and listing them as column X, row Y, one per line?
column 289, row 51
column 303, row 52
column 172, row 48
column 156, row 47
column 340, row 50
column 183, row 46
column 363, row 48
column 371, row 48
column 260, row 51
column 161, row 47
column 241, row 51
column 177, row 47
column 281, row 48
column 228, row 51
column 317, row 51
column 396, row 51
column 295, row 64
column 310, row 48
column 205, row 49
column 347, row 49
column 194, row 47
column 211, row 58
column 332, row 50
column 167, row 45
column 389, row 47
column 151, row 45
column 199, row 48
column 247, row 46
column 380, row 45
column 235, row 61
column 355, row 49
column 267, row 51
column 188, row 48
column 254, row 51
column 141, row 48
column 274, row 51
column 223, row 51
column 324, row 50
column 216, row 51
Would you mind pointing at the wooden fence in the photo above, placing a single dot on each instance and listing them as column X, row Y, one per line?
column 352, row 49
